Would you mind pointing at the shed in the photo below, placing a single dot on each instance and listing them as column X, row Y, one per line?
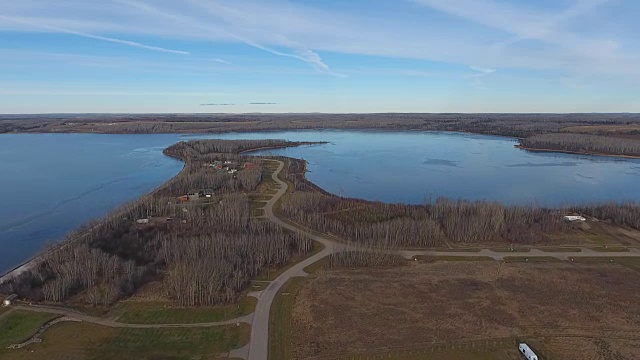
column 527, row 352
column 9, row 299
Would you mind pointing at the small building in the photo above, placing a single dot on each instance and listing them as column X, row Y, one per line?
column 527, row 352
column 574, row 218
column 188, row 197
column 142, row 221
column 250, row 165
column 9, row 299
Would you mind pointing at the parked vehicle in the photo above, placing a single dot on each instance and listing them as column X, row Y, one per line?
column 527, row 352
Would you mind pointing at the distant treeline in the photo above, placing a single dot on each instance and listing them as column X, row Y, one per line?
column 203, row 254
column 583, row 143
column 516, row 125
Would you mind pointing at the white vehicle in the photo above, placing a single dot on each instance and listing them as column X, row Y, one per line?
column 527, row 352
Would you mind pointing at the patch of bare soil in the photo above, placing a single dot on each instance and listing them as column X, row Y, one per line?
column 574, row 311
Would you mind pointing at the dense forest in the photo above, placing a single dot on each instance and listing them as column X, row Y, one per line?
column 516, row 125
column 204, row 253
column 583, row 143
column 431, row 225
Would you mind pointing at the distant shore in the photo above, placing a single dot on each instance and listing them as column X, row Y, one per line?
column 576, row 152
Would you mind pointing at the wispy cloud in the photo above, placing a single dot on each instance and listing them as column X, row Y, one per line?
column 524, row 23
column 263, row 103
column 215, row 104
column 26, row 21
column 231, row 30
column 220, row 61
column 481, row 71
column 492, row 34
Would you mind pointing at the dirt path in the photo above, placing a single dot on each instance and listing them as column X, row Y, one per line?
column 580, row 252
column 114, row 324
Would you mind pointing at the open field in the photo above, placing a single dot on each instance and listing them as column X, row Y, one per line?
column 450, row 307
column 90, row 341
column 135, row 312
column 18, row 326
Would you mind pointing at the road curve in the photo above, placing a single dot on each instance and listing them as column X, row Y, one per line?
column 259, row 343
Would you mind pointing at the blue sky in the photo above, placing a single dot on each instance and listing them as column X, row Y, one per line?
column 319, row 56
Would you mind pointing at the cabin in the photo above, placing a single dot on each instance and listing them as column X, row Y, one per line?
column 526, row 351
column 9, row 299
column 574, row 218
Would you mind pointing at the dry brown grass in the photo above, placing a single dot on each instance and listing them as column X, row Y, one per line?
column 350, row 311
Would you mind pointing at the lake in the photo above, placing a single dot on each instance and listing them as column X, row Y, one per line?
column 53, row 183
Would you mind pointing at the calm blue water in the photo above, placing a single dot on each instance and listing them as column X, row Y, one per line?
column 52, row 183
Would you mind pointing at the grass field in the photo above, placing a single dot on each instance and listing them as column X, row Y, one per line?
column 135, row 312
column 412, row 311
column 90, row 341
column 280, row 319
column 20, row 325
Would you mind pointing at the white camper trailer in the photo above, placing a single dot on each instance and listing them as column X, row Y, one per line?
column 527, row 352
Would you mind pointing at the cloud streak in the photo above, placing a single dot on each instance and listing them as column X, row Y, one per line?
column 300, row 53
column 25, row 21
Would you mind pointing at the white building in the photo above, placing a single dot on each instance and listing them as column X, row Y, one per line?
column 9, row 299
column 573, row 218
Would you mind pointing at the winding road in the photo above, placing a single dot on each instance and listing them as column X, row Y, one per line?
column 258, row 347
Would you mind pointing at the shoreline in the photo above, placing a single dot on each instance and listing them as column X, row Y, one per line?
column 36, row 259
column 519, row 146
column 33, row 261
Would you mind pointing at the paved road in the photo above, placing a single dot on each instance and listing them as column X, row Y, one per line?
column 259, row 343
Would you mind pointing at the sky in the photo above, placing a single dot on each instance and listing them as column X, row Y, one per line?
column 235, row 56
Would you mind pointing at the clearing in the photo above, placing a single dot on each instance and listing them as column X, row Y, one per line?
column 456, row 310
